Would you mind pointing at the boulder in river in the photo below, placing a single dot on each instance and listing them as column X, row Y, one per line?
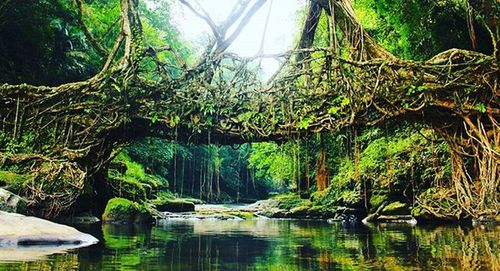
column 396, row 208
column 17, row 230
column 124, row 211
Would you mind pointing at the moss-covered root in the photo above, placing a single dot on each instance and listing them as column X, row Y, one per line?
column 120, row 210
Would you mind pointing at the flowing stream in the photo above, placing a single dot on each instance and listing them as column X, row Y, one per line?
column 272, row 244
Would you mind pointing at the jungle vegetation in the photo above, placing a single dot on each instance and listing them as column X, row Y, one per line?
column 380, row 101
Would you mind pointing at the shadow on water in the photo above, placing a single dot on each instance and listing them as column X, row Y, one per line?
column 267, row 244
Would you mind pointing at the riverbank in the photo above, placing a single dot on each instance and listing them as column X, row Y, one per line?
column 291, row 206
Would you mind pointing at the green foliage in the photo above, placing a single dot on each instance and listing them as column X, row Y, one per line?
column 391, row 164
column 153, row 154
column 128, row 179
column 305, row 122
column 272, row 162
column 481, row 107
column 289, row 201
column 377, row 200
column 45, row 44
column 15, row 146
column 333, row 196
column 13, row 181
column 419, row 29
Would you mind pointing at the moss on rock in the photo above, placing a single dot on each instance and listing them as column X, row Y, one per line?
column 376, row 201
column 300, row 211
column 287, row 201
column 127, row 188
column 320, row 211
column 243, row 214
column 396, row 208
column 120, row 210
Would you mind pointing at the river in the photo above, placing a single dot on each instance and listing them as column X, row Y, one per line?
column 271, row 244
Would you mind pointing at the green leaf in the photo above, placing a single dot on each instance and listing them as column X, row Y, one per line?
column 481, row 107
column 304, row 123
column 333, row 110
column 154, row 119
column 174, row 120
column 116, row 87
column 345, row 101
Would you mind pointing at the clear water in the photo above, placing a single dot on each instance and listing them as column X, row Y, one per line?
column 267, row 244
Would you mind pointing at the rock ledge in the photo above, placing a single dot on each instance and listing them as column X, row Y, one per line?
column 19, row 230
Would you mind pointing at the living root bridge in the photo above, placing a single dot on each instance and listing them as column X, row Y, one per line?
column 64, row 136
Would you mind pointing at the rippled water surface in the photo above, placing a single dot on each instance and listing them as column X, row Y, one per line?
column 267, row 244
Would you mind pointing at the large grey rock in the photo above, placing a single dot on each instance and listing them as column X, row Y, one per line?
column 21, row 231
column 11, row 203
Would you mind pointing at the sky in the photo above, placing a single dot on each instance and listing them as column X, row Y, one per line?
column 281, row 29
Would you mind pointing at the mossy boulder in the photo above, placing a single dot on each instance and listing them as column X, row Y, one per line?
column 376, row 200
column 127, row 188
column 396, row 208
column 421, row 214
column 320, row 211
column 242, row 214
column 299, row 211
column 287, row 201
column 120, row 210
column 174, row 205
column 193, row 200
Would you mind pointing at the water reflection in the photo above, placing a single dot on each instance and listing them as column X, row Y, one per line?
column 279, row 245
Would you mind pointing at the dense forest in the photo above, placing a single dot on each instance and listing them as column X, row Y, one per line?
column 375, row 111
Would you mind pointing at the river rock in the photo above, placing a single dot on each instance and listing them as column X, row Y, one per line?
column 175, row 206
column 11, row 203
column 397, row 219
column 124, row 211
column 20, row 230
column 396, row 208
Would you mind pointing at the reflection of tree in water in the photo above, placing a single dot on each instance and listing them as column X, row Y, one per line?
column 468, row 248
column 299, row 245
column 59, row 262
column 282, row 245
column 398, row 248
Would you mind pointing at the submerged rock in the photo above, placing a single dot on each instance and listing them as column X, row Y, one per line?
column 397, row 219
column 20, row 230
column 211, row 212
column 79, row 219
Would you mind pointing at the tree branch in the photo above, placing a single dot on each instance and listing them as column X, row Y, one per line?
column 222, row 47
column 95, row 44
